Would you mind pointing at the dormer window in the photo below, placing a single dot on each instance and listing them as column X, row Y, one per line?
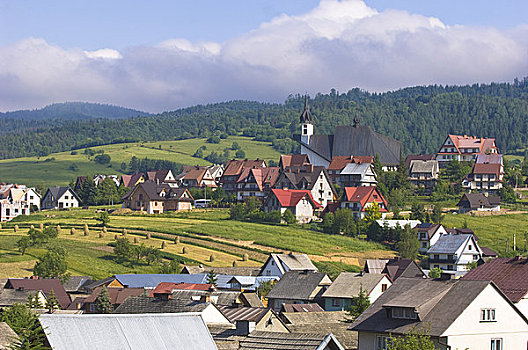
column 405, row 313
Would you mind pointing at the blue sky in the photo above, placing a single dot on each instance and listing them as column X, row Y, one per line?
column 162, row 55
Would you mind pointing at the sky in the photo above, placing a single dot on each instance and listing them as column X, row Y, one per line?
column 166, row 54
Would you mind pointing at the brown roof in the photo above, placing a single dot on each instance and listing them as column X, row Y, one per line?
column 46, row 285
column 157, row 175
column 235, row 167
column 10, row 296
column 130, row 180
column 288, row 341
column 509, row 274
column 117, row 295
column 243, row 313
column 487, row 168
column 288, row 160
column 339, row 162
column 264, row 177
column 398, row 267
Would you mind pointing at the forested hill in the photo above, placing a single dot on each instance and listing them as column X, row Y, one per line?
column 419, row 117
column 74, row 110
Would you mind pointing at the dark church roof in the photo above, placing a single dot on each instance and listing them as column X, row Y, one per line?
column 306, row 115
column 359, row 140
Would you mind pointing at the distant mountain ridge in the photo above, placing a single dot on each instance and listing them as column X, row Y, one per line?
column 75, row 111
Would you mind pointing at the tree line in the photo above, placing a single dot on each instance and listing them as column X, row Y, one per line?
column 420, row 117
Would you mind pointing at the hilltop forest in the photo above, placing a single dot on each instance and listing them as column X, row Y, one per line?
column 420, row 117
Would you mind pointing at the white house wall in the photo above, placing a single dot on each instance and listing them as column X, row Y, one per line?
column 467, row 331
column 68, row 200
column 271, row 269
column 376, row 292
column 322, row 184
column 315, row 159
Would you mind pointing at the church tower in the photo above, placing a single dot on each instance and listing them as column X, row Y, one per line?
column 307, row 128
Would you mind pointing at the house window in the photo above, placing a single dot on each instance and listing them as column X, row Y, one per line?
column 424, row 244
column 381, row 342
column 404, row 313
column 437, row 257
column 470, row 247
column 475, row 257
column 383, row 287
column 336, row 302
column 487, row 315
column 496, row 344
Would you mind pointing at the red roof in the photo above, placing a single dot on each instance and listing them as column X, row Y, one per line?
column 509, row 274
column 483, row 144
column 263, row 176
column 364, row 195
column 169, row 287
column 290, row 198
column 46, row 285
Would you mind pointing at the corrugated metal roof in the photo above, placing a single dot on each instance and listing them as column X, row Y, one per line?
column 141, row 332
column 448, row 244
column 288, row 341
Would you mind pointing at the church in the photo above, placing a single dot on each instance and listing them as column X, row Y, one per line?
column 347, row 140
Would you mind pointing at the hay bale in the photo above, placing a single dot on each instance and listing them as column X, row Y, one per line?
column 58, row 229
column 15, row 228
column 124, row 232
column 177, row 240
column 31, row 227
column 234, row 263
column 101, row 235
column 245, row 257
column 212, row 258
column 184, row 250
column 135, row 240
column 148, row 236
column 86, row 230
column 72, row 231
column 115, row 237
column 41, row 226
column 163, row 245
column 104, row 229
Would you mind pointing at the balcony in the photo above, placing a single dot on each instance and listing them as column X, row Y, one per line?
column 443, row 260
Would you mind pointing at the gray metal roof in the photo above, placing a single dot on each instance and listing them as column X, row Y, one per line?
column 348, row 284
column 424, row 166
column 356, row 169
column 449, row 244
column 7, row 336
column 141, row 332
column 145, row 305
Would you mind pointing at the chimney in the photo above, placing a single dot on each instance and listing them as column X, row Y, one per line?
column 245, row 327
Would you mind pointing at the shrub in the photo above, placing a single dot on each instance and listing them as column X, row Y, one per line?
column 288, row 217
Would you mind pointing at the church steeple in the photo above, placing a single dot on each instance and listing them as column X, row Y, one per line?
column 307, row 128
column 306, row 116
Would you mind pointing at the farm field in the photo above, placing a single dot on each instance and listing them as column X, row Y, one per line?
column 61, row 168
column 493, row 231
column 203, row 233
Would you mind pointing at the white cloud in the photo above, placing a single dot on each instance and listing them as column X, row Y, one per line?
column 340, row 44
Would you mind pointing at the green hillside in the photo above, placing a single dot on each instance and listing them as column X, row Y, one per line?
column 61, row 168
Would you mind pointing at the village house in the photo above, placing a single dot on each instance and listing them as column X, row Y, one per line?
column 338, row 297
column 465, row 148
column 356, row 140
column 117, row 331
column 256, row 182
column 358, row 199
column 45, row 285
column 484, row 178
column 8, row 297
column 478, row 202
column 394, row 268
column 509, row 274
column 422, row 157
column 97, row 179
column 428, row 235
column 279, row 264
column 288, row 161
column 299, row 202
column 457, row 314
column 424, row 174
column 453, row 252
column 356, row 175
column 17, row 200
column 308, row 177
column 130, row 181
column 339, row 163
column 196, row 176
column 299, row 287
column 60, row 198
column 322, row 323
column 255, row 318
column 234, row 168
column 164, row 176
column 155, row 198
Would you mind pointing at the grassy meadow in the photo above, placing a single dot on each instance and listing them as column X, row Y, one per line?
column 61, row 168
column 202, row 233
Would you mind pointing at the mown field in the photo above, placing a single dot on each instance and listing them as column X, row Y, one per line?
column 61, row 168
column 202, row 233
column 494, row 231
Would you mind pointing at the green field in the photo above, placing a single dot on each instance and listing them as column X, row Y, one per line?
column 56, row 168
column 493, row 231
column 203, row 233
